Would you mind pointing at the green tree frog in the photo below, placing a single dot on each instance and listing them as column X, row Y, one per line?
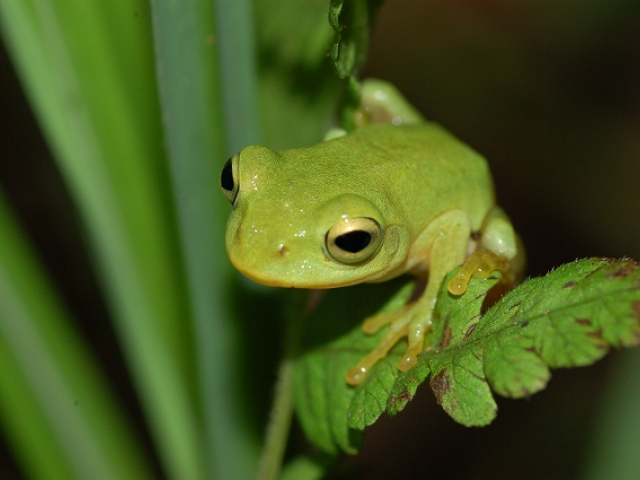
column 404, row 197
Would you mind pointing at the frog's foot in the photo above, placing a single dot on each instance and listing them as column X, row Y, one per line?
column 480, row 264
column 402, row 322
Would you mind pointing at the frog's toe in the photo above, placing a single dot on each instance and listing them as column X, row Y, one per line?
column 374, row 323
column 480, row 264
column 398, row 329
column 409, row 359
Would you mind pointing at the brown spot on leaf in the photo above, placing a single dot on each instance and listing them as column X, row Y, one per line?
column 583, row 321
column 470, row 330
column 402, row 398
column 636, row 308
column 572, row 283
column 625, row 270
column 405, row 396
column 597, row 335
column 440, row 384
column 283, row 250
column 446, row 335
column 517, row 304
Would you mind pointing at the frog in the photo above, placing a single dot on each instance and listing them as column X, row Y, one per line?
column 397, row 195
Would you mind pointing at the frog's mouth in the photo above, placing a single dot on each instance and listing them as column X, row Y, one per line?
column 301, row 274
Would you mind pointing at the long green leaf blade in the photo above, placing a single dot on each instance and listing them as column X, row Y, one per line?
column 54, row 403
column 238, row 73
column 189, row 83
column 88, row 71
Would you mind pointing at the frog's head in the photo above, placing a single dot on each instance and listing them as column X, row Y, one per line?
column 297, row 223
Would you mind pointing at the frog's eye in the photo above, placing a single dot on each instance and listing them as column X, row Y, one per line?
column 229, row 180
column 353, row 240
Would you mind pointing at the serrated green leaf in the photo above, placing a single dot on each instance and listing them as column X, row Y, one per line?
column 457, row 378
column 334, row 342
column 461, row 388
column 571, row 317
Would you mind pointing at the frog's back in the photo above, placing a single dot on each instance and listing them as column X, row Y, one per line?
column 416, row 171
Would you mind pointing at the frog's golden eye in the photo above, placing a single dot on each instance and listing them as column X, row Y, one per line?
column 229, row 180
column 353, row 240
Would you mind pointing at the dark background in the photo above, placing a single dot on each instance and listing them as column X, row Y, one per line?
column 549, row 92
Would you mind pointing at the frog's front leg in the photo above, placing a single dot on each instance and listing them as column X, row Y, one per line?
column 442, row 246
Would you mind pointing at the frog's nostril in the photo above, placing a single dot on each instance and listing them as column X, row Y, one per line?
column 282, row 250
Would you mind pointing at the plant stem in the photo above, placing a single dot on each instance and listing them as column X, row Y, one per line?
column 282, row 409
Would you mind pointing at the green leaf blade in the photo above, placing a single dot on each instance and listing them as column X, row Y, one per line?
column 59, row 414
column 207, row 95
column 101, row 119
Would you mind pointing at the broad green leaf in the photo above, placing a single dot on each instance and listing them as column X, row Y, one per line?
column 298, row 86
column 295, row 33
column 571, row 317
column 456, row 379
column 333, row 343
column 303, row 468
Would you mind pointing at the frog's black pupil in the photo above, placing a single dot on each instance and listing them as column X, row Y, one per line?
column 226, row 177
column 354, row 242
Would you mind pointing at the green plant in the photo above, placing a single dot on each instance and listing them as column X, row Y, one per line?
column 141, row 104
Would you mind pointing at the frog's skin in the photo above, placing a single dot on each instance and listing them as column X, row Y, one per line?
column 368, row 206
